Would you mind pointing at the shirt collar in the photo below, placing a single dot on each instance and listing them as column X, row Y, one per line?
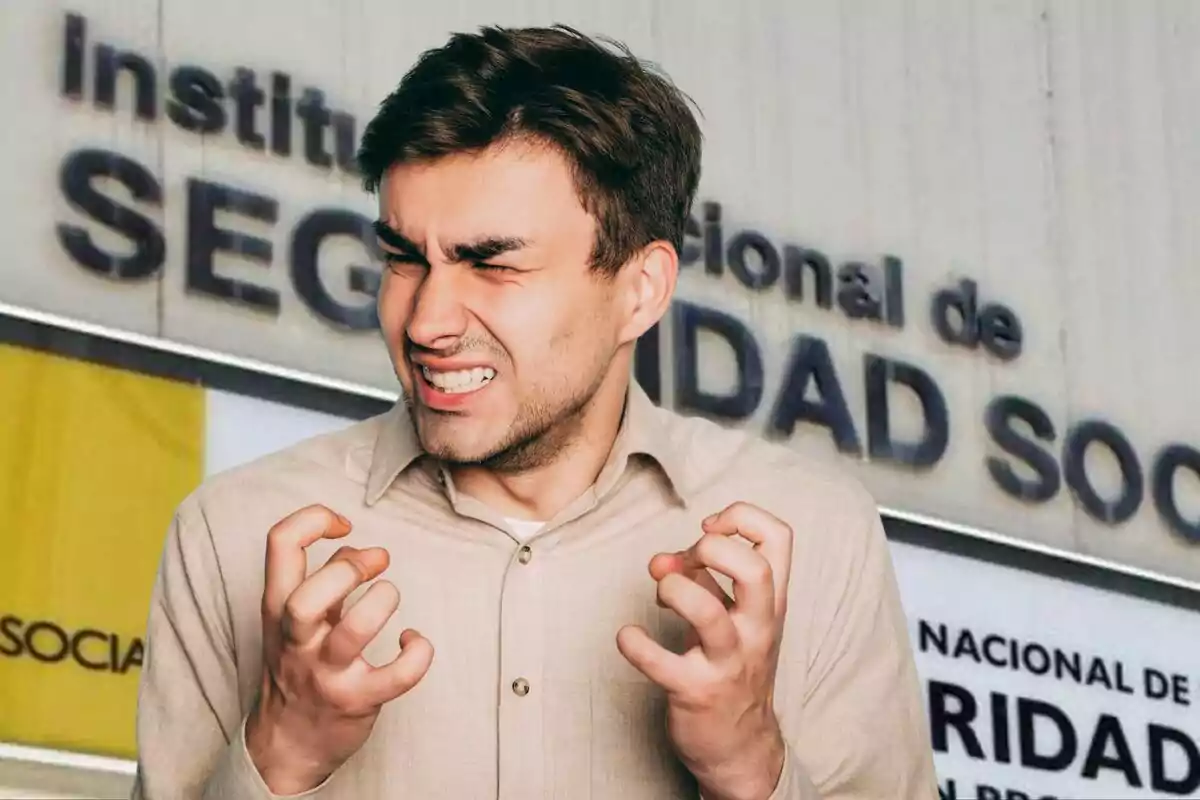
column 396, row 447
column 644, row 431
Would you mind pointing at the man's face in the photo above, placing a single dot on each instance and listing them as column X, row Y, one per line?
column 499, row 331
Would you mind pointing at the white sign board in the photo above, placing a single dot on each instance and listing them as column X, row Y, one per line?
column 1041, row 688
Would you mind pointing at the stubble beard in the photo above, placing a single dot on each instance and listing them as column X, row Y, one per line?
column 539, row 435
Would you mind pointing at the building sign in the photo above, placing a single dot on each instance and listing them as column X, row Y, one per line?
column 1033, row 459
column 93, row 461
column 204, row 191
column 1039, row 688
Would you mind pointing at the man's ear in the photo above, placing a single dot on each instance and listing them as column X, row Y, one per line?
column 647, row 286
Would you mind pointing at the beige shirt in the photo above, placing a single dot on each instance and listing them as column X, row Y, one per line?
column 500, row 613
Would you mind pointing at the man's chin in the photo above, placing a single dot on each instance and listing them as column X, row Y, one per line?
column 439, row 439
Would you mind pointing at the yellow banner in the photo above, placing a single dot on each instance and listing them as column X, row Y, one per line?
column 93, row 461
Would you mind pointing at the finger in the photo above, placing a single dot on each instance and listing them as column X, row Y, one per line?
column 381, row 684
column 702, row 611
column 286, row 562
column 307, row 609
column 648, row 657
column 769, row 535
column 752, row 574
column 361, row 624
column 664, row 563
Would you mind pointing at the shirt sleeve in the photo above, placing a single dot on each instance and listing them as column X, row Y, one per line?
column 189, row 717
column 855, row 722
column 794, row 783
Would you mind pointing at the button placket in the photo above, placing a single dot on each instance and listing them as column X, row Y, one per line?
column 521, row 725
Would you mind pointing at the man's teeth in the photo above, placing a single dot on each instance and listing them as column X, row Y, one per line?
column 459, row 380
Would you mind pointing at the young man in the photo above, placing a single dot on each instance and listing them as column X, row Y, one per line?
column 624, row 603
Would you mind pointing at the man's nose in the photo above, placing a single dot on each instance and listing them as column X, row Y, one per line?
column 438, row 316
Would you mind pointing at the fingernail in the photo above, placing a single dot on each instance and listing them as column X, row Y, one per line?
column 709, row 519
column 345, row 521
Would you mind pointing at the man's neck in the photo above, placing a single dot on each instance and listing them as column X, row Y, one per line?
column 543, row 491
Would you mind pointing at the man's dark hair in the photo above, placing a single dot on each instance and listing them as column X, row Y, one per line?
column 627, row 131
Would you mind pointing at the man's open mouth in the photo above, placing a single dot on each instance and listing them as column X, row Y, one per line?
column 459, row 381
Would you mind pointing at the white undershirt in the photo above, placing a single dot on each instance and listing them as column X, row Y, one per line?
column 524, row 529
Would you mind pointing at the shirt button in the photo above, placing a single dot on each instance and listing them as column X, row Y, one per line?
column 520, row 687
column 525, row 554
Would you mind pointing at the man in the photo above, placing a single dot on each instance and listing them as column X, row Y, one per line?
column 624, row 604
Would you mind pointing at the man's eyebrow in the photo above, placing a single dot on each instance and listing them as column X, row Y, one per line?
column 465, row 252
column 396, row 240
column 484, row 248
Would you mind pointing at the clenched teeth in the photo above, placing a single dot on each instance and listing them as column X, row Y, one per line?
column 460, row 380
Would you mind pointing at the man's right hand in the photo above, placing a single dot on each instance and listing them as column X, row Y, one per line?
column 320, row 697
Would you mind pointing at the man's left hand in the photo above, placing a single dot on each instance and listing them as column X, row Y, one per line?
column 720, row 691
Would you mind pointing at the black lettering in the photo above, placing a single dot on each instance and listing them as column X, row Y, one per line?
column 48, row 643
column 1169, row 461
column 810, row 360
column 306, row 245
column 928, row 635
column 1108, row 729
column 999, row 422
column 1000, row 736
column 1154, row 684
column 316, row 116
column 77, row 652
column 755, row 279
column 988, row 642
column 691, row 252
column 948, row 791
column 985, row 792
column 10, row 636
column 1180, row 690
column 1027, row 711
column 77, row 183
column 1122, row 685
column 860, row 295
column 893, row 293
column 205, row 238
column 647, row 363
column 133, row 657
column 1186, row 786
column 713, row 248
column 195, row 102
column 345, row 142
column 108, row 63
column 796, row 260
column 62, row 646
column 281, row 114
column 993, row 324
column 1000, row 331
column 935, row 434
column 1112, row 512
column 1068, row 666
column 965, row 645
column 963, row 301
column 942, row 717
column 1041, row 665
column 74, row 45
column 741, row 403
column 248, row 97
column 1098, row 674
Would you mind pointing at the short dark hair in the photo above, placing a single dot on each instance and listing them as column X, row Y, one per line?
column 627, row 131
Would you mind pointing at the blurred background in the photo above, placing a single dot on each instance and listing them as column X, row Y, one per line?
column 946, row 245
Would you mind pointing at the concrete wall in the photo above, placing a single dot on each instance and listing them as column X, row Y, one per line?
column 1044, row 149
